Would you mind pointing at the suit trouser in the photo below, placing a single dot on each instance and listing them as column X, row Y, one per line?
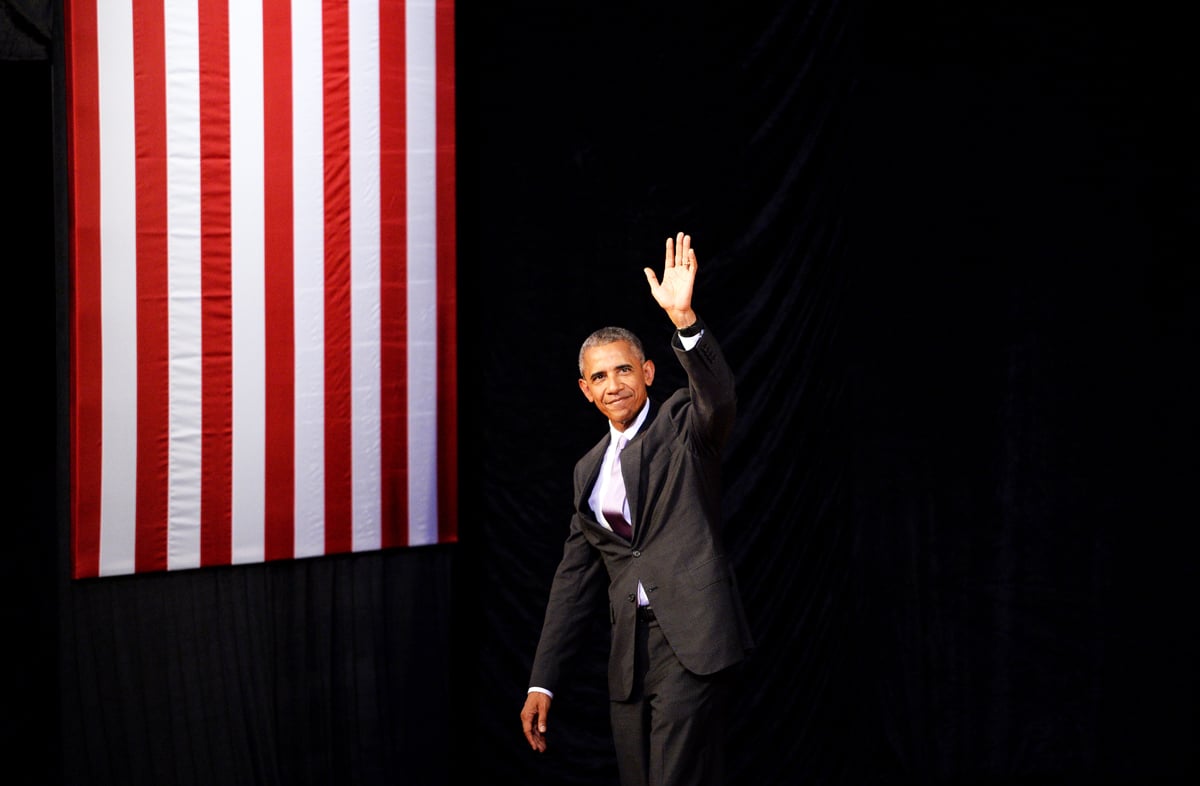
column 669, row 733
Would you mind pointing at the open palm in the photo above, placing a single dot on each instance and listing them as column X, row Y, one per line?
column 674, row 292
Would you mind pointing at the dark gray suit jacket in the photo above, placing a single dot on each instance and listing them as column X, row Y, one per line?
column 672, row 477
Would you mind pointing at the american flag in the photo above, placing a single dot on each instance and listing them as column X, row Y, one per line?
column 262, row 279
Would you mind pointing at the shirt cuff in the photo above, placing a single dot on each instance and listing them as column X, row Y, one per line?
column 690, row 341
column 541, row 690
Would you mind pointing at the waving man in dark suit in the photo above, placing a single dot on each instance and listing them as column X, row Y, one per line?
column 647, row 525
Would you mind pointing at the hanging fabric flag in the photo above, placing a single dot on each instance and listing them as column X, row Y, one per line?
column 262, row 246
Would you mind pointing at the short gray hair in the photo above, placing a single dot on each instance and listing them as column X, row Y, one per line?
column 607, row 335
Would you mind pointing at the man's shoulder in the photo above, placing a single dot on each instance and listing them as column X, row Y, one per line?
column 668, row 411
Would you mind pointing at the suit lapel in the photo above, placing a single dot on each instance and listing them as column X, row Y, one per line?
column 631, row 470
column 591, row 469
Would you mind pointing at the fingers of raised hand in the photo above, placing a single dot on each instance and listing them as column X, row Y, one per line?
column 679, row 252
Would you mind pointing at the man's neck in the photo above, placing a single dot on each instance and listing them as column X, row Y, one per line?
column 634, row 425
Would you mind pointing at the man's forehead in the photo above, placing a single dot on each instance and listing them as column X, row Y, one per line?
column 614, row 353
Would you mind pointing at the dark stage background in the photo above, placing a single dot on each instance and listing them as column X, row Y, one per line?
column 946, row 251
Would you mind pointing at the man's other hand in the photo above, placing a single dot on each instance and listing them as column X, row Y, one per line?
column 533, row 719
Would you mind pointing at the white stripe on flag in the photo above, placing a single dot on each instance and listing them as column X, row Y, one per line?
column 421, row 68
column 309, row 186
column 182, row 47
column 364, row 273
column 118, row 271
column 247, row 164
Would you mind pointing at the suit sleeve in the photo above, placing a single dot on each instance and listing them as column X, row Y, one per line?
column 712, row 390
column 574, row 595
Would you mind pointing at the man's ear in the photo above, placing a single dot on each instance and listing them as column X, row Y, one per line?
column 587, row 392
column 647, row 372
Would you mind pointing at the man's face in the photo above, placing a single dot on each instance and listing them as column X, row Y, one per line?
column 616, row 381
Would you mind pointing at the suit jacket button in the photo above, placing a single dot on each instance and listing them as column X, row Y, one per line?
column 631, row 597
column 637, row 553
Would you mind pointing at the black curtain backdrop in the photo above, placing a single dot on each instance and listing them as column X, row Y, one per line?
column 947, row 251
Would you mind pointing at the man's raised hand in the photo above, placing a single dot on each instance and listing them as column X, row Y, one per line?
column 674, row 292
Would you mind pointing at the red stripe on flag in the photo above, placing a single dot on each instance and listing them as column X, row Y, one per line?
column 216, row 319
column 153, row 430
column 447, row 305
column 393, row 236
column 83, row 140
column 338, row 446
column 279, row 538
